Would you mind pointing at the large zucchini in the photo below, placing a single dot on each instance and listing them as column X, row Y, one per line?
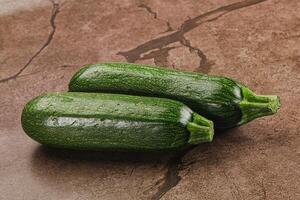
column 224, row 101
column 113, row 121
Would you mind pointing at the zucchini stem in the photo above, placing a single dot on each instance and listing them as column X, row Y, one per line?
column 201, row 130
column 254, row 106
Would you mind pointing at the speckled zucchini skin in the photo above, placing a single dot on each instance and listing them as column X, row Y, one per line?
column 115, row 122
column 222, row 100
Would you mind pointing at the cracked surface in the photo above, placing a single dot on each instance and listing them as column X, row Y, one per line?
column 255, row 41
column 55, row 11
column 136, row 53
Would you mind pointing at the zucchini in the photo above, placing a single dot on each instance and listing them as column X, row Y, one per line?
column 224, row 101
column 98, row 121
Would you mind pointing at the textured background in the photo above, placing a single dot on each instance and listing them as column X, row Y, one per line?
column 42, row 43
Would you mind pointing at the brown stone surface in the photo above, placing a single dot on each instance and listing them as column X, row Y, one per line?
column 42, row 43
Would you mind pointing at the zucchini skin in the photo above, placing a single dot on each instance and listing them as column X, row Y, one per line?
column 224, row 101
column 96, row 121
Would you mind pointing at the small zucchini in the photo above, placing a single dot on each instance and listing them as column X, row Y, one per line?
column 224, row 101
column 113, row 122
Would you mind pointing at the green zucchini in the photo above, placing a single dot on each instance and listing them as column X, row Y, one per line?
column 224, row 101
column 113, row 122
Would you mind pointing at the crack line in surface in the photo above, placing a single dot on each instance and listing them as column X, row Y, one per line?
column 155, row 16
column 203, row 63
column 149, row 10
column 135, row 54
column 169, row 27
column 55, row 11
column 131, row 172
column 171, row 177
column 160, row 56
